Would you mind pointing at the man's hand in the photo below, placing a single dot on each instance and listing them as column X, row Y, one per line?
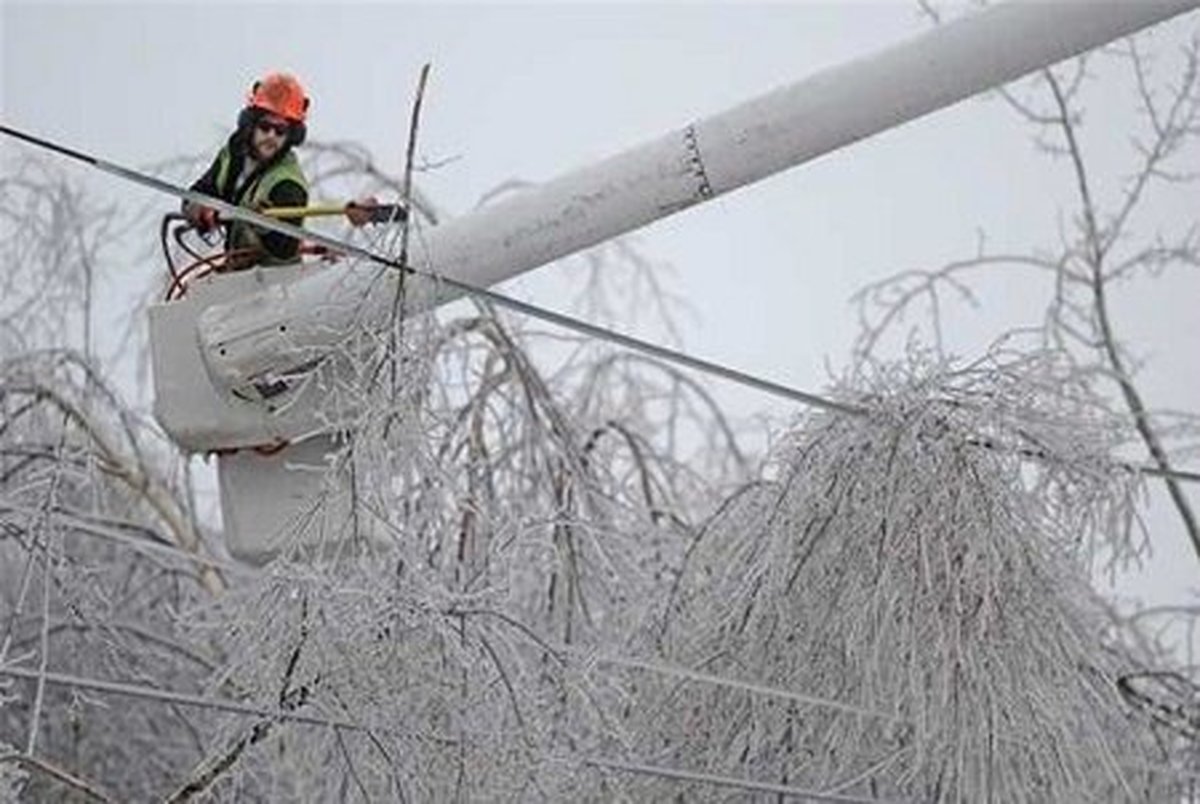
column 359, row 212
column 202, row 217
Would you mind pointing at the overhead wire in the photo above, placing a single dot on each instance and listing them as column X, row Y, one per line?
column 499, row 299
column 582, row 659
column 173, row 697
column 568, row 322
column 80, row 525
column 680, row 775
column 665, row 668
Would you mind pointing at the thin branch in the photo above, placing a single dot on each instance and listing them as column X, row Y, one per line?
column 85, row 787
column 1095, row 257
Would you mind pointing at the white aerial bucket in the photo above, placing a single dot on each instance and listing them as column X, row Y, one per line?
column 198, row 415
column 292, row 501
column 273, row 451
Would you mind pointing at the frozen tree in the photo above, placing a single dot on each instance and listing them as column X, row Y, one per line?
column 1114, row 233
column 926, row 589
column 508, row 499
column 543, row 568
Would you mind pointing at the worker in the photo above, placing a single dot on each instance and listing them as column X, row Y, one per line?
column 258, row 169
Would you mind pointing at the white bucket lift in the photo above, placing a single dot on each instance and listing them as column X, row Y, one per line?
column 187, row 402
column 277, row 486
column 293, row 499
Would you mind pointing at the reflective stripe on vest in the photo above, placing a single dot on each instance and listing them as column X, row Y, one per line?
column 242, row 235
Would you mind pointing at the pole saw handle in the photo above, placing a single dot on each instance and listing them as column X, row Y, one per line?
column 377, row 213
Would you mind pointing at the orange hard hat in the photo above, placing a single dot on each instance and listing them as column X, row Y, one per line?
column 281, row 94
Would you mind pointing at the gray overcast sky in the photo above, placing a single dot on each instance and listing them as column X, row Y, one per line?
column 530, row 91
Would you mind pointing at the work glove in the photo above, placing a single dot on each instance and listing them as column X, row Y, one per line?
column 358, row 212
column 202, row 217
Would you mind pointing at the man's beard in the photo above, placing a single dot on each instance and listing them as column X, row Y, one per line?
column 257, row 155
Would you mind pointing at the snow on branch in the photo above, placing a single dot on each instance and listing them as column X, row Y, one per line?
column 895, row 563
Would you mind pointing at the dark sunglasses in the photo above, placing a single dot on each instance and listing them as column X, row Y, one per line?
column 266, row 126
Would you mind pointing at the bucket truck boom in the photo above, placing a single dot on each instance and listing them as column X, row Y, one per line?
column 255, row 337
column 259, row 329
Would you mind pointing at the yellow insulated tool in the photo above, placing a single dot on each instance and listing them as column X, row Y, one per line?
column 380, row 213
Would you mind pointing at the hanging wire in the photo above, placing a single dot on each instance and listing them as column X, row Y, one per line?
column 499, row 299
column 581, row 658
column 86, row 527
column 679, row 775
column 663, row 668
column 172, row 697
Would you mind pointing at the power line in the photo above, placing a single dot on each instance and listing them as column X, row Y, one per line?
column 499, row 299
column 173, row 697
column 582, row 660
column 236, row 707
column 580, row 657
column 730, row 781
column 663, row 668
